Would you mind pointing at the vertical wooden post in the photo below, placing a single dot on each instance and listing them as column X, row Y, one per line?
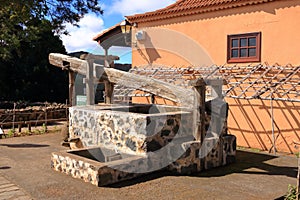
column 109, row 87
column 201, row 89
column 106, row 61
column 72, row 76
column 199, row 110
column 46, row 119
column 90, row 93
column 152, row 97
column 20, row 127
column 29, row 127
column 14, row 116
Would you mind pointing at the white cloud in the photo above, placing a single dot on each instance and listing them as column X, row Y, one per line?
column 81, row 38
column 129, row 7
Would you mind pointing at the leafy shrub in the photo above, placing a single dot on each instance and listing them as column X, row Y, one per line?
column 292, row 193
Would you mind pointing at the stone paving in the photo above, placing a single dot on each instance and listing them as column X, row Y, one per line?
column 9, row 191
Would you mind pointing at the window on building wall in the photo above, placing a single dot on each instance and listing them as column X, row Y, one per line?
column 244, row 48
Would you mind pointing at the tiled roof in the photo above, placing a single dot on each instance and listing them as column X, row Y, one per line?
column 111, row 37
column 99, row 35
column 188, row 7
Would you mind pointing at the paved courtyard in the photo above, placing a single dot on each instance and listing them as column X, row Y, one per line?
column 25, row 173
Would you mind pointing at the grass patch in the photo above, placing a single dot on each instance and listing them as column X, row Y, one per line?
column 291, row 193
column 11, row 132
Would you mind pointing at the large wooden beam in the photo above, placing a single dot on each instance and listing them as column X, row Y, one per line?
column 68, row 63
column 151, row 85
column 98, row 57
column 183, row 96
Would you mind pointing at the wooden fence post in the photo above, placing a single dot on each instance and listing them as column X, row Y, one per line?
column 14, row 117
column 45, row 127
column 20, row 127
column 29, row 127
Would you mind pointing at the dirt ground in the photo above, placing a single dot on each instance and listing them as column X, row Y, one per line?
column 25, row 161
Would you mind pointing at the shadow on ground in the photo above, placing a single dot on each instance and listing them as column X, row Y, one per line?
column 246, row 163
column 25, row 145
column 252, row 163
column 4, row 167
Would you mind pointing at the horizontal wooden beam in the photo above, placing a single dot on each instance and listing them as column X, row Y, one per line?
column 67, row 62
column 32, row 122
column 98, row 57
column 159, row 88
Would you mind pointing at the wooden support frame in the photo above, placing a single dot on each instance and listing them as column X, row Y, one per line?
column 156, row 87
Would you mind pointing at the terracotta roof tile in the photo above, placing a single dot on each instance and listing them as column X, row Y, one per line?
column 187, row 7
column 101, row 34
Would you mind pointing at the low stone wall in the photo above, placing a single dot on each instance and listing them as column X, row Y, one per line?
column 189, row 161
column 133, row 133
column 76, row 167
column 214, row 152
column 96, row 173
column 55, row 111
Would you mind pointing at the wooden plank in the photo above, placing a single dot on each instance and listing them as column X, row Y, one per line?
column 11, row 123
column 44, row 121
column 98, row 57
column 159, row 88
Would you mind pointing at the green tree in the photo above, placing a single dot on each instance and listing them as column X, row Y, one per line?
column 29, row 31
column 29, row 76
column 18, row 20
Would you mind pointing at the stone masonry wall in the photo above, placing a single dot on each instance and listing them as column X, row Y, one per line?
column 131, row 133
column 188, row 160
column 213, row 153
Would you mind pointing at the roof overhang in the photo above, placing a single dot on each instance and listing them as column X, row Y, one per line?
column 112, row 37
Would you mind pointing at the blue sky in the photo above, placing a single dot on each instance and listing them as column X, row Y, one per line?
column 80, row 39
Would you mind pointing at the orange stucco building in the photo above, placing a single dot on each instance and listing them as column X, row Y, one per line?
column 228, row 32
column 207, row 24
